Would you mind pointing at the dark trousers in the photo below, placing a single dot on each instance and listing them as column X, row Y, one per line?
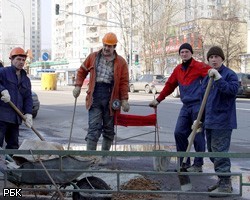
column 218, row 140
column 100, row 120
column 183, row 129
column 9, row 132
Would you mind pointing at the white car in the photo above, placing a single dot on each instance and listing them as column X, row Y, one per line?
column 158, row 87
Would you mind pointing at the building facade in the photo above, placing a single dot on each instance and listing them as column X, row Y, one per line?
column 149, row 32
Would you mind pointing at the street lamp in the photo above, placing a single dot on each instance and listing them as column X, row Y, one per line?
column 22, row 13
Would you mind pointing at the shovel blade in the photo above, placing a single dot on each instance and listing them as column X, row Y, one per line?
column 185, row 182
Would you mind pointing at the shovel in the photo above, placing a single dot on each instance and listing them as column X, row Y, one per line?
column 184, row 179
column 24, row 118
column 72, row 123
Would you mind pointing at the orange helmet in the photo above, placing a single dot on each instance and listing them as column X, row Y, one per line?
column 109, row 39
column 18, row 51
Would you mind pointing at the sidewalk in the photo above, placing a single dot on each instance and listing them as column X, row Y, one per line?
column 36, row 85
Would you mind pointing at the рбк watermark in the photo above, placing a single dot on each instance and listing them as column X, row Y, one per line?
column 12, row 192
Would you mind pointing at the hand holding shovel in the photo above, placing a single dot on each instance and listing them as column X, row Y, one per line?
column 24, row 119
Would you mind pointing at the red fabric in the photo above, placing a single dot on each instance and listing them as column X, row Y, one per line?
column 135, row 120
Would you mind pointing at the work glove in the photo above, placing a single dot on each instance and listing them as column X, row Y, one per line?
column 76, row 91
column 199, row 128
column 154, row 103
column 5, row 96
column 29, row 121
column 214, row 73
column 125, row 105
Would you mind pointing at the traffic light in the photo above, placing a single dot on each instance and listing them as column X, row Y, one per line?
column 136, row 59
column 128, row 58
column 57, row 9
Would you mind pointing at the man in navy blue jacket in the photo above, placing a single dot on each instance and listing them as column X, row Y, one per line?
column 15, row 86
column 220, row 115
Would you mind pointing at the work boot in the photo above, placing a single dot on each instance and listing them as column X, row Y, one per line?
column 224, row 186
column 91, row 145
column 213, row 187
column 106, row 144
column 195, row 168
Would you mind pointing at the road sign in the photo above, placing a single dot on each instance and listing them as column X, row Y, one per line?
column 45, row 56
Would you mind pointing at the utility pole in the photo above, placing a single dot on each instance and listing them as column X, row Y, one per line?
column 131, row 31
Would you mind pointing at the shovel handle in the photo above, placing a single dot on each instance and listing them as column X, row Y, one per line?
column 24, row 118
column 203, row 104
column 72, row 123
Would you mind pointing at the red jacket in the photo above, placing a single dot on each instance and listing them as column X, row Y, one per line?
column 121, row 78
column 189, row 82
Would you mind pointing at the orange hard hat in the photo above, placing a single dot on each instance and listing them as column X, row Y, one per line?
column 18, row 51
column 109, row 39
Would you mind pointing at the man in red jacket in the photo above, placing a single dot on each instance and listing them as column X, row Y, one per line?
column 188, row 76
column 108, row 81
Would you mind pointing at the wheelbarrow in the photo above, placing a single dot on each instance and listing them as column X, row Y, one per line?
column 38, row 173
column 33, row 173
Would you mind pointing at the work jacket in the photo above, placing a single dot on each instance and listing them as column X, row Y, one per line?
column 20, row 94
column 189, row 82
column 121, row 78
column 220, row 110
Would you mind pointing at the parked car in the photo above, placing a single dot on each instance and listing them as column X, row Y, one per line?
column 144, row 83
column 158, row 86
column 36, row 104
column 244, row 82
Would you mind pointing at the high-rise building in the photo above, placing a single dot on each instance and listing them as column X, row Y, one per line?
column 20, row 26
column 79, row 27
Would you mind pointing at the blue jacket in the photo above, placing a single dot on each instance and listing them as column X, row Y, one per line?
column 20, row 94
column 220, row 110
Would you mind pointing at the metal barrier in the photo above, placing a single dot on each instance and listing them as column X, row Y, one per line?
column 118, row 173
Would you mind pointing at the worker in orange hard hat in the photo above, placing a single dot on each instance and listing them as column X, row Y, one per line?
column 108, row 86
column 109, row 39
column 15, row 87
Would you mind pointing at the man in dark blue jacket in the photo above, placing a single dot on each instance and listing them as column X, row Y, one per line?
column 220, row 115
column 15, row 86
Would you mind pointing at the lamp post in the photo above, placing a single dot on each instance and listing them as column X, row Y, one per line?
column 22, row 13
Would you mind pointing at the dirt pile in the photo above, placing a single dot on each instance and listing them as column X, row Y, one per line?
column 140, row 183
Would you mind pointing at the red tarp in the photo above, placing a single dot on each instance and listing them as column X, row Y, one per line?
column 135, row 120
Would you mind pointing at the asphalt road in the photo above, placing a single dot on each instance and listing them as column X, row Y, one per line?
column 54, row 119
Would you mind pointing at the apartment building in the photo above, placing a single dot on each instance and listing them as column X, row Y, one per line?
column 80, row 26
column 20, row 26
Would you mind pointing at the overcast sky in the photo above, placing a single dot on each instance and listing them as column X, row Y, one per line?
column 46, row 24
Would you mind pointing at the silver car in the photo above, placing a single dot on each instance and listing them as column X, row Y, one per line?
column 144, row 83
column 157, row 87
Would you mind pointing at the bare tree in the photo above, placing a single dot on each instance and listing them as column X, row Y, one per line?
column 230, row 33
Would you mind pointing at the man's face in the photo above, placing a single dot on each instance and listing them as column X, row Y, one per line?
column 108, row 50
column 215, row 61
column 185, row 54
column 18, row 62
